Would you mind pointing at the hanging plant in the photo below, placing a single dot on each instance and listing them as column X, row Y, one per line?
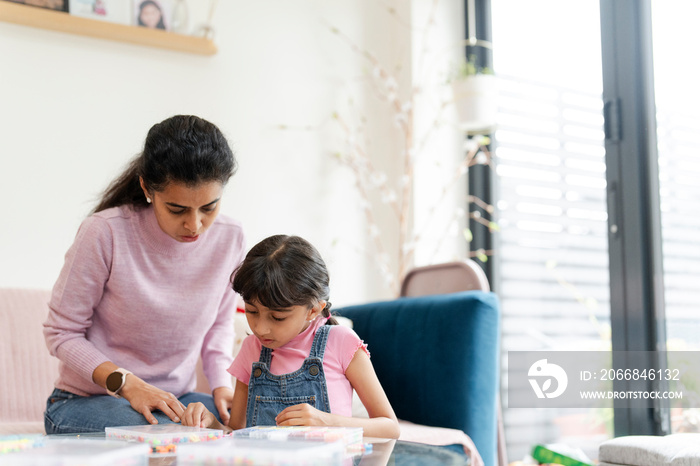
column 475, row 91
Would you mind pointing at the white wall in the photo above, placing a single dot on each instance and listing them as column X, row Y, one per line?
column 440, row 214
column 74, row 110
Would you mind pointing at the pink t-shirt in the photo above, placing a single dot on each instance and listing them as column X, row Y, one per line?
column 341, row 347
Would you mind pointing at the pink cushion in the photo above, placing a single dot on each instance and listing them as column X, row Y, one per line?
column 411, row 432
column 27, row 369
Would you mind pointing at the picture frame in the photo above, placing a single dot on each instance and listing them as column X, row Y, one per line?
column 113, row 11
column 57, row 5
column 154, row 14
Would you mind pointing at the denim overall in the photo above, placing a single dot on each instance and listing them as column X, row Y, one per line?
column 269, row 394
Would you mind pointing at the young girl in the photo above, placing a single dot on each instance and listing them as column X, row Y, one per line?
column 297, row 368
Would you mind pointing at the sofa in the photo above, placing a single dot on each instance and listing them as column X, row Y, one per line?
column 436, row 357
column 28, row 370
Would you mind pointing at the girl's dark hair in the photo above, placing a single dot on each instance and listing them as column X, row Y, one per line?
column 184, row 149
column 283, row 271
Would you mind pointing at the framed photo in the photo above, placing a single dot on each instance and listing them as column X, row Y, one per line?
column 154, row 14
column 113, row 11
column 58, row 5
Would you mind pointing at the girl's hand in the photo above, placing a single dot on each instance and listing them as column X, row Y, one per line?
column 145, row 398
column 223, row 399
column 197, row 415
column 302, row 415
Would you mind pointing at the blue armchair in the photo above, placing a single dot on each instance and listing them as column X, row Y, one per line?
column 437, row 358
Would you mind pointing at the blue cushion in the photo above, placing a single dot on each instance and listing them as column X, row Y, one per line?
column 437, row 359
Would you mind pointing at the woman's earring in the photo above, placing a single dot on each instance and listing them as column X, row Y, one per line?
column 148, row 199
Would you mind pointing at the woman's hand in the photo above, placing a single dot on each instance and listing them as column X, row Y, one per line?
column 302, row 415
column 145, row 398
column 223, row 399
column 197, row 415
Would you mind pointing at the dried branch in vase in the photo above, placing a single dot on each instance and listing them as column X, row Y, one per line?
column 368, row 179
column 379, row 192
column 387, row 198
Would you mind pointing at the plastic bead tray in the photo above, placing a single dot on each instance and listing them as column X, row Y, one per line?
column 160, row 436
column 351, row 437
column 241, row 451
column 83, row 452
column 12, row 443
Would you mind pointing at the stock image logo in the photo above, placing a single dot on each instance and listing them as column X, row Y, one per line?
column 589, row 379
column 546, row 372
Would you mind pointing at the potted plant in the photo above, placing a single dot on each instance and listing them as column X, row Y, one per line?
column 475, row 91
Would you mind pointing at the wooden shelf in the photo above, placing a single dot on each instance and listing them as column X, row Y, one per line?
column 63, row 22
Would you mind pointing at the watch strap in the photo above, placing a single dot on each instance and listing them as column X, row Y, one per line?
column 123, row 373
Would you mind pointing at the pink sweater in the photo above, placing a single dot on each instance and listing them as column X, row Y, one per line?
column 341, row 347
column 131, row 294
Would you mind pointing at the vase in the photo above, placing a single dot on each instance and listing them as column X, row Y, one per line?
column 476, row 101
column 180, row 17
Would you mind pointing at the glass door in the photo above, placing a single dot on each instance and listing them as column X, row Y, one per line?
column 678, row 135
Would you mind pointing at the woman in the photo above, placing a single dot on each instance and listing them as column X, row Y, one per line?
column 144, row 289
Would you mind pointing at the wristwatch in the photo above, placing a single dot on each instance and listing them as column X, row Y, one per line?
column 115, row 381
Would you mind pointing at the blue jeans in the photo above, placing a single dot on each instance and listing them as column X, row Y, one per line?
column 67, row 413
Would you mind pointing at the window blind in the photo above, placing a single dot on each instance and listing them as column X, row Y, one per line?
column 552, row 252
